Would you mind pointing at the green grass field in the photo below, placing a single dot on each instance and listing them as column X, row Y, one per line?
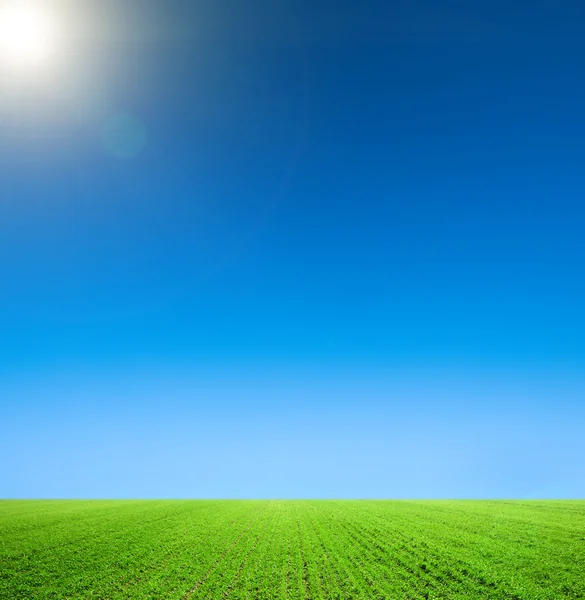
column 292, row 549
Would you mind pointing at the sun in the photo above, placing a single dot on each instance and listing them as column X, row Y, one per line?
column 28, row 34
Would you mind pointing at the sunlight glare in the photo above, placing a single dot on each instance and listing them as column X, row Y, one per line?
column 27, row 34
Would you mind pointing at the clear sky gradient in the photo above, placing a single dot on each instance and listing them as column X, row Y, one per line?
column 293, row 249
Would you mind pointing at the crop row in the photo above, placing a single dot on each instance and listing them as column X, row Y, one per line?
column 292, row 550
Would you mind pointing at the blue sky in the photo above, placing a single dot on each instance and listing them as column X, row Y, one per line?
column 296, row 249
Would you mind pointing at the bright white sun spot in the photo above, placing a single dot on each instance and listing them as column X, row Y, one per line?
column 27, row 33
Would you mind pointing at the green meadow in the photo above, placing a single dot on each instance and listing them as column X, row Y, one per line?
column 292, row 549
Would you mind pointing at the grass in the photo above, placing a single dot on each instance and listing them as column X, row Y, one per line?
column 321, row 550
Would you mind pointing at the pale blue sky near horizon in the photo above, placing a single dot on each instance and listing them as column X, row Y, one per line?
column 291, row 433
column 289, row 249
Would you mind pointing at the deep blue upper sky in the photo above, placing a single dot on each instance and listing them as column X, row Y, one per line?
column 349, row 184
